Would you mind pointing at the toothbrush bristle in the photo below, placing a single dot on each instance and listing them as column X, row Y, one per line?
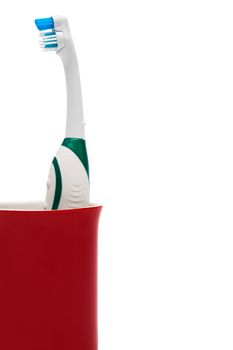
column 48, row 37
column 44, row 23
column 48, row 40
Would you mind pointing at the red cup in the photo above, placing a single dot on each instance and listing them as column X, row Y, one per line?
column 48, row 279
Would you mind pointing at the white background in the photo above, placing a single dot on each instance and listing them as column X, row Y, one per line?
column 157, row 81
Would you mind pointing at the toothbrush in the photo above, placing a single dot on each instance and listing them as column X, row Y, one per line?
column 68, row 181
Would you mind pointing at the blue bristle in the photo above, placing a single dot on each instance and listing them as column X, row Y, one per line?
column 50, row 33
column 50, row 46
column 44, row 23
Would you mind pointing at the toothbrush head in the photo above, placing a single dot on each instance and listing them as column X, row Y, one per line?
column 51, row 33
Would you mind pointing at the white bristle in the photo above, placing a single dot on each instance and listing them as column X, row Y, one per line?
column 48, row 42
column 49, row 48
column 48, row 37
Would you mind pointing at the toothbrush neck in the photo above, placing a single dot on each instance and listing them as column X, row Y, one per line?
column 74, row 118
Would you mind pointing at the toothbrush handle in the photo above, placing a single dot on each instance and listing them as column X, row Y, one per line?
column 74, row 120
